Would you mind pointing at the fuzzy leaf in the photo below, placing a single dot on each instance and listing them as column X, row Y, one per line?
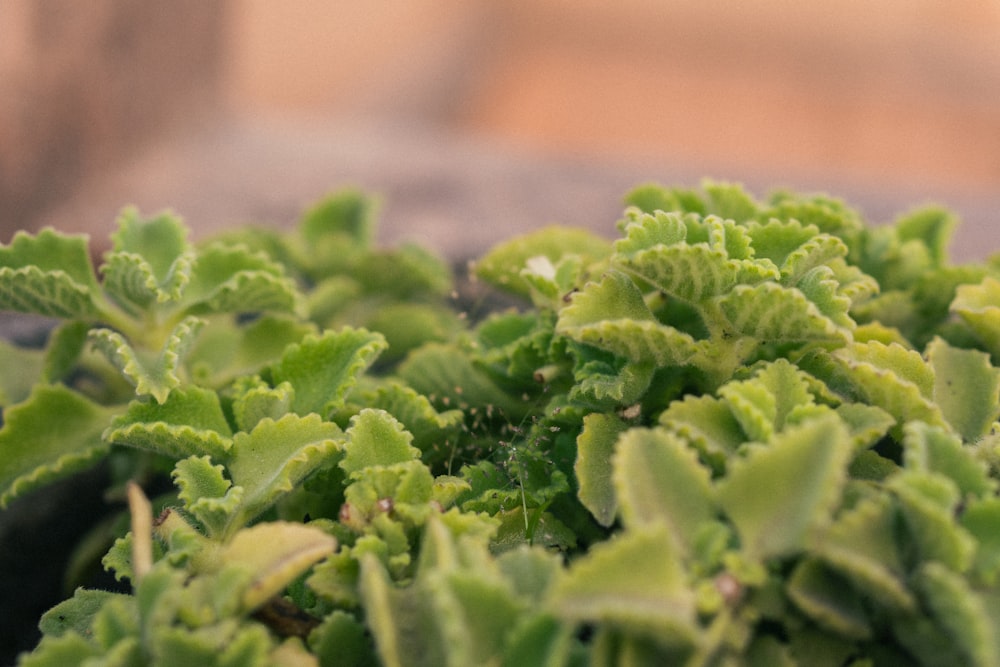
column 503, row 264
column 928, row 503
column 982, row 519
column 961, row 613
column 49, row 274
column 773, row 313
column 861, row 546
column 231, row 279
column 376, row 438
column 604, row 382
column 612, row 315
column 595, row 446
column 275, row 553
column 932, row 449
column 22, row 369
column 825, row 598
column 323, row 369
column 979, row 306
column 36, row 449
column 151, row 376
column 206, row 493
column 150, row 261
column 635, row 583
column 659, row 481
column 810, row 460
column 432, row 431
column 707, row 423
column 730, row 200
column 277, row 455
column 966, row 388
column 190, row 422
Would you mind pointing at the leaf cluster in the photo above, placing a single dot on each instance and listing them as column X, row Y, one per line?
column 742, row 433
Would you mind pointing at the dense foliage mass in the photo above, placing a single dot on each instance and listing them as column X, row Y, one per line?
column 743, row 433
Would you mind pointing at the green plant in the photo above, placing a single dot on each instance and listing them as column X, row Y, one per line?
column 744, row 432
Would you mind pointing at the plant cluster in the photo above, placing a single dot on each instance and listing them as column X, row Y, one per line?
column 743, row 433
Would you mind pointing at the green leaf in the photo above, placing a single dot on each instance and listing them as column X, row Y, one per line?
column 36, row 448
column 190, row 422
column 979, row 306
column 932, row 227
column 928, row 503
column 771, row 312
column 232, row 279
column 22, row 369
column 861, row 545
column 323, row 369
column 150, row 261
column 274, row 553
column 635, row 583
column 932, row 449
column 376, row 438
column 827, row 599
column 348, row 213
column 434, row 433
column 659, row 481
column 71, row 649
column 707, row 423
column 49, row 274
column 966, row 388
column 982, row 519
column 503, row 264
column 276, row 456
column 960, row 612
column 206, row 493
column 595, row 445
column 810, row 460
column 151, row 376
column 76, row 615
column 729, row 200
column 613, row 316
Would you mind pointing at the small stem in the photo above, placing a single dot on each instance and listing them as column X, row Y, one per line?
column 141, row 511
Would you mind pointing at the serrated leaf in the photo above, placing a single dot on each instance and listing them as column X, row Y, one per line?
column 651, row 197
column 647, row 230
column 150, row 261
column 707, row 423
column 966, row 388
column 432, row 431
column 49, row 274
column 659, row 481
column 635, row 583
column 928, row 502
column 502, row 265
column 691, row 273
column 36, row 448
column 190, row 422
column 277, row 455
column 861, row 545
column 811, row 461
column 825, row 598
column 613, row 316
column 609, row 382
column 323, row 369
column 960, row 612
column 932, row 449
column 76, row 614
column 228, row 279
column 595, row 445
column 979, row 306
column 256, row 400
column 771, row 312
column 376, row 438
column 205, row 492
column 152, row 376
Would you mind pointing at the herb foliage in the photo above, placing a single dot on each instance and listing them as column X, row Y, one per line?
column 743, row 433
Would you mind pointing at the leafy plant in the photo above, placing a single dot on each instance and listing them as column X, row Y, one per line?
column 743, row 433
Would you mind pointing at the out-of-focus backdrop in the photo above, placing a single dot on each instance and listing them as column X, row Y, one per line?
column 475, row 119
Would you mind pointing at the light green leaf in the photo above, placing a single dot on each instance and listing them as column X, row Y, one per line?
column 433, row 432
column 323, row 369
column 150, row 261
column 933, row 449
column 190, row 422
column 960, row 612
column 659, row 481
column 70, row 649
column 595, row 445
column 49, row 274
column 275, row 553
column 277, row 455
column 966, row 388
column 612, row 315
column 771, row 312
column 206, row 493
column 707, row 423
column 827, row 599
column 982, row 519
column 76, row 614
column 861, row 545
column 603, row 382
column 376, row 438
column 979, row 306
column 730, row 200
column 348, row 213
column 784, row 492
column 36, row 448
column 928, row 503
column 650, row 229
column 22, row 369
column 635, row 583
column 255, row 400
column 151, row 376
column 502, row 265
column 932, row 227
column 232, row 279
column 691, row 273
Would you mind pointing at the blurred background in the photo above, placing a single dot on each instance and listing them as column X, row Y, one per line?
column 476, row 119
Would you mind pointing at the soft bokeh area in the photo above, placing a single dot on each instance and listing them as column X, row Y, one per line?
column 480, row 118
